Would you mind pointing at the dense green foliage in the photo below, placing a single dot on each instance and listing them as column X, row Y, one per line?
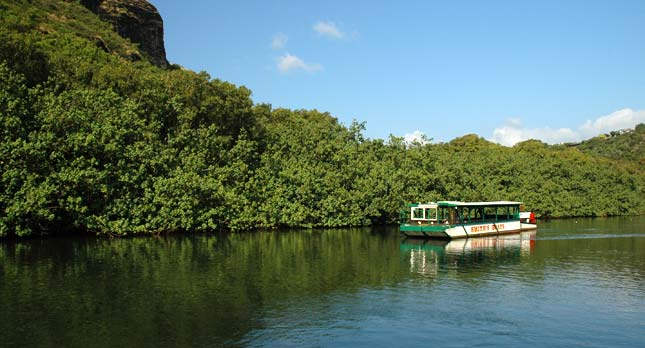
column 624, row 145
column 92, row 141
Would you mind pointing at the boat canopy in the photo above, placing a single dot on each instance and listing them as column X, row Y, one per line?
column 453, row 212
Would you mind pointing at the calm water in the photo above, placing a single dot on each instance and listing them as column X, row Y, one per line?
column 576, row 283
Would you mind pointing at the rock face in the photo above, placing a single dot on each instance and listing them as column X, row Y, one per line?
column 137, row 20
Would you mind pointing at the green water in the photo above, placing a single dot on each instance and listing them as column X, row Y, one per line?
column 576, row 283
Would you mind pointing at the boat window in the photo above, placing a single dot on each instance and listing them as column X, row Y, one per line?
column 478, row 214
column 424, row 213
column 417, row 213
column 514, row 212
column 490, row 213
column 464, row 214
column 505, row 213
column 431, row 214
column 452, row 216
column 443, row 215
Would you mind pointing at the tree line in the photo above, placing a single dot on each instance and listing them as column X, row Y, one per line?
column 93, row 142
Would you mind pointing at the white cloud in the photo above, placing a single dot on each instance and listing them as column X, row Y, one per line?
column 279, row 41
column 290, row 62
column 416, row 137
column 512, row 132
column 621, row 119
column 328, row 29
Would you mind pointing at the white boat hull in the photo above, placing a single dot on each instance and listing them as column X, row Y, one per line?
column 484, row 229
column 528, row 227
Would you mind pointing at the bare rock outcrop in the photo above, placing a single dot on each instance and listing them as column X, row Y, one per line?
column 137, row 20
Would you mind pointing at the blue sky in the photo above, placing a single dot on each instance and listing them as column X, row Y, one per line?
column 506, row 70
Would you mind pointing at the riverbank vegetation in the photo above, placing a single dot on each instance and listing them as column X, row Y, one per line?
column 93, row 140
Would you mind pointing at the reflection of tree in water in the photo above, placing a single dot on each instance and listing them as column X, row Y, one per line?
column 182, row 289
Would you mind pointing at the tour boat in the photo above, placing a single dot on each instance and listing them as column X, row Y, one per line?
column 452, row 219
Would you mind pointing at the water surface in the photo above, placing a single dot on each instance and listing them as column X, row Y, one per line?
column 577, row 282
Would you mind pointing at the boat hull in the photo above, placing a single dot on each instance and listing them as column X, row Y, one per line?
column 528, row 227
column 465, row 230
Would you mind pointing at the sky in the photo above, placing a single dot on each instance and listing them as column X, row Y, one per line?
column 508, row 71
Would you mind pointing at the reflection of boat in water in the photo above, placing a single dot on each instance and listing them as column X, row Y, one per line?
column 451, row 219
column 428, row 255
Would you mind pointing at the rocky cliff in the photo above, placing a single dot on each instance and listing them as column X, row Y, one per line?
column 137, row 20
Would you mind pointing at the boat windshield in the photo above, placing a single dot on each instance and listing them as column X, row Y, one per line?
column 423, row 213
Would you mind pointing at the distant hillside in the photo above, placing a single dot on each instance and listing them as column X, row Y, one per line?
column 623, row 145
column 96, row 137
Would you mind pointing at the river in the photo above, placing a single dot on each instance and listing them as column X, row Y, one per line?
column 576, row 282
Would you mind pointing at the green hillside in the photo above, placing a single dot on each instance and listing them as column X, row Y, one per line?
column 95, row 139
column 622, row 145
